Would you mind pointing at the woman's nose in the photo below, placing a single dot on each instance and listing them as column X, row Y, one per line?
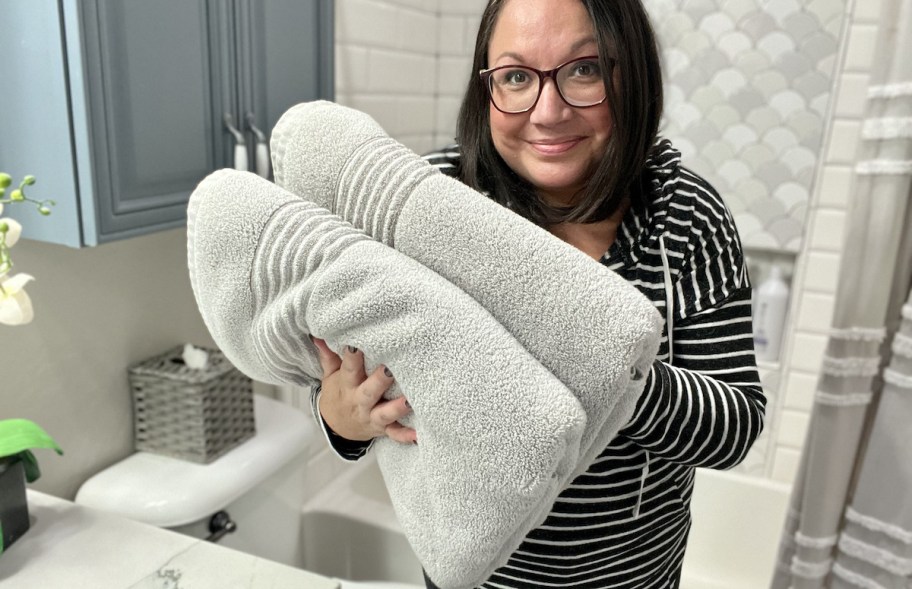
column 550, row 108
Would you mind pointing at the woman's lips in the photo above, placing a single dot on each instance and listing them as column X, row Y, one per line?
column 555, row 147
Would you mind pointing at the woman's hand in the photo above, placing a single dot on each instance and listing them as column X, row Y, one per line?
column 352, row 402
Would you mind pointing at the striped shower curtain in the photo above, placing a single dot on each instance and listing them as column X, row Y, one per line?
column 850, row 520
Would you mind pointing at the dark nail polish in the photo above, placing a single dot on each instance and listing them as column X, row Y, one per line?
column 387, row 372
column 415, row 442
column 352, row 349
column 407, row 404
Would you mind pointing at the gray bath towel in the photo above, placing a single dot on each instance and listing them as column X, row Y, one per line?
column 586, row 324
column 498, row 433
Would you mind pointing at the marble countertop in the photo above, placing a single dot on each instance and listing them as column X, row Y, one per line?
column 74, row 547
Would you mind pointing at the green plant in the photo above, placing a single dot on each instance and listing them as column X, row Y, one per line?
column 15, row 305
column 18, row 437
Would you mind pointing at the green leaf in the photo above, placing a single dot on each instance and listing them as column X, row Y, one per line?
column 18, row 436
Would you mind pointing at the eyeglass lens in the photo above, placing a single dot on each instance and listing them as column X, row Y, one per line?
column 516, row 88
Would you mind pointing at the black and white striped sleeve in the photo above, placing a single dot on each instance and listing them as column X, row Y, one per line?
column 705, row 407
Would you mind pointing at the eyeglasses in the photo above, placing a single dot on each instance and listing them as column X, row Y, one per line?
column 516, row 89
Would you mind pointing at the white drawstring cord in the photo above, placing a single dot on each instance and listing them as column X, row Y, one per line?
column 643, row 476
column 669, row 298
column 669, row 320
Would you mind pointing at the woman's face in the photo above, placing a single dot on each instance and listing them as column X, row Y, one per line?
column 554, row 146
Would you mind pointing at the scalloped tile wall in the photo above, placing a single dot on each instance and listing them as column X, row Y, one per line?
column 748, row 87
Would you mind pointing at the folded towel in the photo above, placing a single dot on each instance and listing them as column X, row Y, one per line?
column 597, row 333
column 498, row 433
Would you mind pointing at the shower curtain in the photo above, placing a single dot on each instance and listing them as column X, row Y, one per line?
column 850, row 520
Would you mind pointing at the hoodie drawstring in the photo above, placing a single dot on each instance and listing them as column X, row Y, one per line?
column 669, row 298
column 643, row 476
column 669, row 321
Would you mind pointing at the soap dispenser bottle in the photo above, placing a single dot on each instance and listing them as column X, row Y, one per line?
column 769, row 315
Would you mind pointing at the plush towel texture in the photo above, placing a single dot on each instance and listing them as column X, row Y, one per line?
column 498, row 433
column 597, row 333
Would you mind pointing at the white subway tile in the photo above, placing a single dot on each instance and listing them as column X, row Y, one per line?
column 844, row 142
column 452, row 75
column 417, row 116
column 447, row 112
column 828, row 230
column 401, row 73
column 799, row 390
column 815, row 312
column 366, row 22
column 471, row 32
column 821, row 272
column 452, row 36
column 430, row 6
column 852, row 95
column 836, row 187
column 793, row 427
column 868, row 11
column 465, row 7
column 861, row 47
column 785, row 465
column 384, row 110
column 417, row 31
column 352, row 69
column 807, row 351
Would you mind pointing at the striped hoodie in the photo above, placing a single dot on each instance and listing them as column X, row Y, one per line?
column 624, row 523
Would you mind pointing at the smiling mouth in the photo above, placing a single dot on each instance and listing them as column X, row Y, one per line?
column 555, row 147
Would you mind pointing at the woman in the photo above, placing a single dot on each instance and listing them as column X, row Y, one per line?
column 560, row 126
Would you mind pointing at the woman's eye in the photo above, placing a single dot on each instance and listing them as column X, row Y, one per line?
column 515, row 78
column 586, row 69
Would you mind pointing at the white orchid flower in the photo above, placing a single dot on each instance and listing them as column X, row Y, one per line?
column 13, row 230
column 15, row 304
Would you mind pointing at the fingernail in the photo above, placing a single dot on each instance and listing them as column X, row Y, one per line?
column 407, row 404
column 352, row 349
column 387, row 372
column 415, row 442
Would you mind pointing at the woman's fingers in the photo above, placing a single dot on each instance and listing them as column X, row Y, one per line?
column 399, row 433
column 385, row 415
column 352, row 367
column 388, row 412
column 352, row 402
column 370, row 392
column 329, row 360
column 396, row 410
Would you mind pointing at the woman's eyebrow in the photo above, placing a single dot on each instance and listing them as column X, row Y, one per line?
column 575, row 47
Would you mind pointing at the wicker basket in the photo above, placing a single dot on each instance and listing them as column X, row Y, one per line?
column 191, row 414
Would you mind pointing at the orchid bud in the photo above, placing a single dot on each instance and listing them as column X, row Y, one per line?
column 17, row 195
column 44, row 210
column 28, row 180
column 5, row 180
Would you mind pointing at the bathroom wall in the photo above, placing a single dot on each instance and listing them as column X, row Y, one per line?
column 386, row 65
column 410, row 81
column 97, row 311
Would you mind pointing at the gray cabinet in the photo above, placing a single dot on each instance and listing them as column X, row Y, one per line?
column 120, row 107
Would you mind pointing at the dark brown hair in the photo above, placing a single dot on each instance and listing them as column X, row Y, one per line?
column 624, row 33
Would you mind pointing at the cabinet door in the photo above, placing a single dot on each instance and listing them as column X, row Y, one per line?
column 159, row 76
column 285, row 57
